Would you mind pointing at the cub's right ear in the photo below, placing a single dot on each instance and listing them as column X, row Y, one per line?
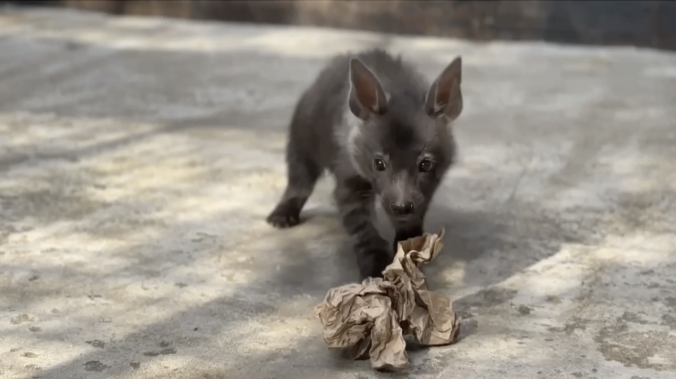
column 444, row 98
column 366, row 94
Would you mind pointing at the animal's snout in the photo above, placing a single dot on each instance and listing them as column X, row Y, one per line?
column 402, row 209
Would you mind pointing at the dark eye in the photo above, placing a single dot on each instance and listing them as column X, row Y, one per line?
column 426, row 166
column 378, row 164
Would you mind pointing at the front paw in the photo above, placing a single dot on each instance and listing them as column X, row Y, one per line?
column 406, row 234
column 373, row 262
column 285, row 215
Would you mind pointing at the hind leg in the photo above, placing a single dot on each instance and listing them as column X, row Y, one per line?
column 302, row 174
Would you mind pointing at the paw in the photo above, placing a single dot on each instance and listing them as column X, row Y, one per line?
column 374, row 263
column 283, row 217
column 404, row 235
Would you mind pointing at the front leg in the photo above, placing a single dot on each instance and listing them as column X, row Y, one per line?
column 404, row 233
column 354, row 197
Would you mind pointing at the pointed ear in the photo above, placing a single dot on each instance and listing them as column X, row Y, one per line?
column 366, row 93
column 444, row 98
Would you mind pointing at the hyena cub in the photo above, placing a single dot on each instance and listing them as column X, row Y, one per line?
column 375, row 123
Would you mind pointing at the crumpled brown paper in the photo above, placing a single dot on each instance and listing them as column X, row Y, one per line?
column 372, row 318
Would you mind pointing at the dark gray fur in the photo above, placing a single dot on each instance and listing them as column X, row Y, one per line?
column 362, row 108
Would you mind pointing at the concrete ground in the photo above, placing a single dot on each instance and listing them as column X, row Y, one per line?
column 139, row 158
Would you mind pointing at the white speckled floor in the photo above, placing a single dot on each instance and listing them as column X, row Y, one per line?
column 139, row 158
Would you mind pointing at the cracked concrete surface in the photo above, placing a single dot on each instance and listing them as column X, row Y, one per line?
column 139, row 158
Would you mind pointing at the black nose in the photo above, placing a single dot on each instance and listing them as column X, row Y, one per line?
column 402, row 208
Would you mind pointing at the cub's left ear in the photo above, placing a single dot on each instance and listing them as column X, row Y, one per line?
column 444, row 98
